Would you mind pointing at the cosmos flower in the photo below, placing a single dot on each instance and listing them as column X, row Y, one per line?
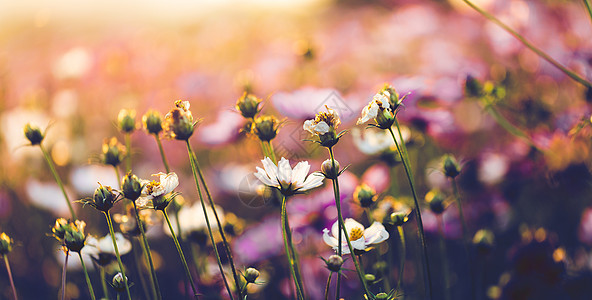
column 359, row 236
column 154, row 193
column 323, row 122
column 289, row 181
column 380, row 103
column 102, row 250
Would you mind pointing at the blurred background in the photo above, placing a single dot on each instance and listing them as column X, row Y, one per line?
column 71, row 67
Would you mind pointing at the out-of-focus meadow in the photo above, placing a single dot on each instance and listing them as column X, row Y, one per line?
column 524, row 152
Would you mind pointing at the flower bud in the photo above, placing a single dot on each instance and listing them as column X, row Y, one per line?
column 334, row 263
column 329, row 170
column 450, row 166
column 251, row 274
column 399, row 218
column 265, row 128
column 484, row 241
column 59, row 229
column 126, row 119
column 5, row 244
column 74, row 237
column 103, row 198
column 473, row 88
column 394, row 100
column 248, row 105
column 161, row 202
column 385, row 118
column 33, row 134
column 365, row 195
column 370, row 278
column 381, row 296
column 152, row 122
column 131, row 186
column 436, row 201
column 113, row 152
column 179, row 121
column 119, row 282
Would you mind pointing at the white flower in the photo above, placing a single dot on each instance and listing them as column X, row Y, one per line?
column 153, row 189
column 289, row 181
column 359, row 237
column 379, row 101
column 104, row 245
column 323, row 122
column 191, row 219
column 372, row 142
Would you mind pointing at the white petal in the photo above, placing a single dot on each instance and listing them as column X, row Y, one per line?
column 351, row 224
column 321, row 128
column 359, row 244
column 262, row 176
column 329, row 240
column 335, row 230
column 284, row 171
column 169, row 182
column 123, row 245
column 365, row 117
column 270, row 168
column 144, row 202
column 312, row 181
column 299, row 173
column 309, row 126
column 376, row 233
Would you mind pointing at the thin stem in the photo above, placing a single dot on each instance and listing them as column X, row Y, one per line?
column 340, row 218
column 271, row 152
column 327, row 286
column 509, row 127
column 58, row 180
column 64, row 270
column 138, row 263
column 466, row 239
column 405, row 159
column 121, row 269
column 90, row 288
column 10, row 277
column 162, row 156
column 530, row 46
column 117, row 175
column 166, row 217
column 287, row 245
column 588, row 8
column 128, row 157
column 147, row 254
column 195, row 169
column 218, row 222
column 403, row 254
column 104, row 283
column 444, row 259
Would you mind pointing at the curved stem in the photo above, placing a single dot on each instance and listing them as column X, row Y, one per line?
column 166, row 217
column 147, row 255
column 10, row 277
column 162, row 156
column 57, row 179
column 90, row 288
column 218, row 222
column 288, row 246
column 530, row 46
column 405, row 159
column 195, row 169
column 104, row 283
column 128, row 157
column 327, row 286
column 121, row 269
column 403, row 256
column 64, row 269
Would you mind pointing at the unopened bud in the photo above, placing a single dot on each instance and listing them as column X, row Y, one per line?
column 473, row 87
column 450, row 166
column 251, row 274
column 59, row 229
column 248, row 105
column 152, row 122
column 119, row 282
column 370, row 278
column 399, row 218
column 126, row 119
column 334, row 263
column 330, row 168
column 33, row 134
column 265, row 128
column 103, row 198
column 113, row 152
column 484, row 241
column 131, row 186
column 382, row 296
column 5, row 244
column 365, row 195
column 436, row 201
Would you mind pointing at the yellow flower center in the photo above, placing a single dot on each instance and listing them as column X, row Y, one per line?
column 356, row 233
column 327, row 118
column 152, row 186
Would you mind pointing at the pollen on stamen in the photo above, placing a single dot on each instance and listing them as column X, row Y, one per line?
column 356, row 233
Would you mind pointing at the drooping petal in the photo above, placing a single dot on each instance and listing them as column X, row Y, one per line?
column 284, row 171
column 312, row 181
column 329, row 240
column 299, row 173
column 264, row 178
column 270, row 168
column 376, row 233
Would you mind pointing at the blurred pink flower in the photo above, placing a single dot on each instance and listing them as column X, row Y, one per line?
column 224, row 130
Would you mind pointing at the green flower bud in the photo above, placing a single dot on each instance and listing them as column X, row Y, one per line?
column 131, row 186
column 394, row 100
column 484, row 241
column 450, row 166
column 328, row 170
column 33, row 134
column 251, row 274
column 370, row 278
column 248, row 105
column 179, row 122
column 119, row 282
column 435, row 199
column 74, row 237
column 328, row 139
column 382, row 296
column 59, row 229
column 103, row 198
column 265, row 128
column 473, row 87
column 334, row 263
column 399, row 218
column 365, row 195
column 113, row 152
column 385, row 119
column 5, row 244
column 126, row 119
column 152, row 122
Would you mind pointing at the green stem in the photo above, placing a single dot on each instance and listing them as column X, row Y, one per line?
column 117, row 175
column 148, row 255
column 64, row 270
column 466, row 239
column 166, row 217
column 530, row 46
column 90, row 288
column 405, row 159
column 403, row 256
column 327, row 286
column 121, row 269
column 588, row 8
column 128, row 157
column 104, row 283
column 57, row 179
column 10, row 277
column 271, row 152
column 340, row 218
column 138, row 263
column 162, row 156
column 509, row 127
column 196, row 168
column 287, row 244
column 445, row 267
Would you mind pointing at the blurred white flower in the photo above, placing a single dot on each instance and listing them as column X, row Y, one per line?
column 289, row 181
column 73, row 64
column 49, row 196
column 104, row 245
column 359, row 236
column 370, row 111
column 191, row 218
